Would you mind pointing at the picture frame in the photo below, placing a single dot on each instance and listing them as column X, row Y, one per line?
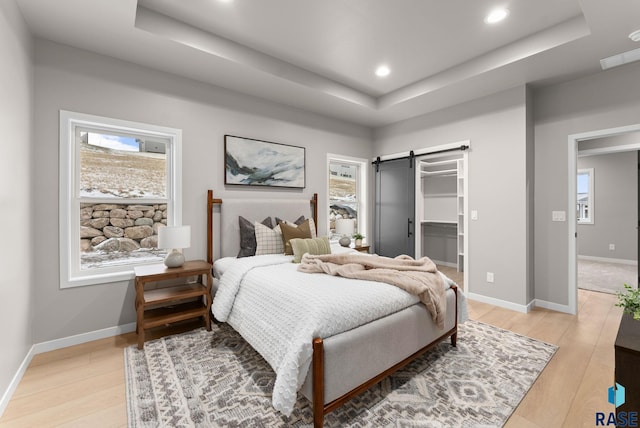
column 251, row 162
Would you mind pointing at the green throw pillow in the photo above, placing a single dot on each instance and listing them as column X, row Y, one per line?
column 314, row 246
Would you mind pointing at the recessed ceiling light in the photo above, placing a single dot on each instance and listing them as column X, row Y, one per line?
column 496, row 16
column 382, row 71
column 635, row 36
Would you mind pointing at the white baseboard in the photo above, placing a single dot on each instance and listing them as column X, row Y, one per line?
column 531, row 305
column 52, row 345
column 497, row 302
column 608, row 260
column 13, row 385
column 553, row 306
column 65, row 342
column 447, row 264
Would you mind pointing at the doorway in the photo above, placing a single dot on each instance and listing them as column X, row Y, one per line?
column 439, row 214
column 614, row 140
column 607, row 213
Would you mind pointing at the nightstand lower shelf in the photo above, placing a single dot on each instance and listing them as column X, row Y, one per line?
column 171, row 294
column 170, row 314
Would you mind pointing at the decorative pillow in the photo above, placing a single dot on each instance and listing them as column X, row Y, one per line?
column 312, row 226
column 313, row 246
column 290, row 231
column 299, row 221
column 269, row 241
column 248, row 236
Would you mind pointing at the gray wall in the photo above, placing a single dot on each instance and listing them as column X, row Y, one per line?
column 608, row 99
column 71, row 79
column 440, row 242
column 18, row 262
column 616, row 207
column 497, row 173
column 440, row 200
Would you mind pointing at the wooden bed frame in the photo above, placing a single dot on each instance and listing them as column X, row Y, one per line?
column 318, row 362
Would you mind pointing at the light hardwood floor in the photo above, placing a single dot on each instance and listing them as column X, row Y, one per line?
column 84, row 385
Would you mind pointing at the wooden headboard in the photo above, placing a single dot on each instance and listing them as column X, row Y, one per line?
column 253, row 210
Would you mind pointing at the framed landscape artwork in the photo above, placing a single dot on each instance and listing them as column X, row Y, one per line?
column 262, row 163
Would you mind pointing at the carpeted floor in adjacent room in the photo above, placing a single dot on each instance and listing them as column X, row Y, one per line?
column 606, row 277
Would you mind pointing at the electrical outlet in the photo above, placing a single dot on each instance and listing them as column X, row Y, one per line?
column 489, row 276
column 612, row 247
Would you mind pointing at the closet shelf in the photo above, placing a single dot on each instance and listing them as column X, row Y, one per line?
column 441, row 172
column 451, row 222
column 440, row 195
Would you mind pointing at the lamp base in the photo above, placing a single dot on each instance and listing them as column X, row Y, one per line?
column 174, row 259
column 345, row 241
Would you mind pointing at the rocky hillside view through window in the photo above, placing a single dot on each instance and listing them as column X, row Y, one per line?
column 118, row 179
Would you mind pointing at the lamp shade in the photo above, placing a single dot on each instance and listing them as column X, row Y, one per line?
column 345, row 226
column 173, row 237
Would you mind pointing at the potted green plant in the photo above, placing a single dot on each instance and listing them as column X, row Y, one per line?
column 358, row 237
column 630, row 301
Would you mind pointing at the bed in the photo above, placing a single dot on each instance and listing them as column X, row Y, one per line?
column 327, row 363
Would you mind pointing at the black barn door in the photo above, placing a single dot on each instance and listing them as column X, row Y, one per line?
column 395, row 208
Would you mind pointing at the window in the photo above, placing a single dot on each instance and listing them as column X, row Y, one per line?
column 585, row 208
column 119, row 183
column 347, row 193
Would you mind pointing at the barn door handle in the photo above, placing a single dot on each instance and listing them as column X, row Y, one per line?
column 409, row 222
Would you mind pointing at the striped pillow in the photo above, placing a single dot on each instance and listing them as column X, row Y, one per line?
column 313, row 246
column 269, row 241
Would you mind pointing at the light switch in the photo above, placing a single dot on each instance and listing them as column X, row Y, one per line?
column 474, row 214
column 559, row 215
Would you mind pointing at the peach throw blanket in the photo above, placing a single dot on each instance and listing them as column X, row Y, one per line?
column 418, row 277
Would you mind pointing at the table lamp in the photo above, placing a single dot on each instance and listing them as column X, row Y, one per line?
column 174, row 238
column 345, row 228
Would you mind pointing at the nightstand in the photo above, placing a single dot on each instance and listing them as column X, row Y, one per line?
column 174, row 298
column 362, row 248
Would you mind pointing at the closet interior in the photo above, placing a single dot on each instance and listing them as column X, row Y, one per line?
column 441, row 208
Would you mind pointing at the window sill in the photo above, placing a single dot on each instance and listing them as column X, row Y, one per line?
column 98, row 278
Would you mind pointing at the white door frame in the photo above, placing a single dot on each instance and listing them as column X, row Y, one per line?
column 573, row 188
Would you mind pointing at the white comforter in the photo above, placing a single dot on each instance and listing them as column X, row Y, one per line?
column 279, row 311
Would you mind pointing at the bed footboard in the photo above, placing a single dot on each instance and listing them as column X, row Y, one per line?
column 326, row 390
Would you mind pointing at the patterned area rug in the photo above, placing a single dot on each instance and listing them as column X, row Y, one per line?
column 215, row 379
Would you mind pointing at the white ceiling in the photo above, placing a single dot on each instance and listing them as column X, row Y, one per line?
column 321, row 55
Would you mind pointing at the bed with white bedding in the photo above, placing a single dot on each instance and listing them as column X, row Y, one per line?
column 327, row 337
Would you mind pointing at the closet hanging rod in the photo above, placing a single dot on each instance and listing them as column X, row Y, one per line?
column 412, row 156
column 443, row 172
column 427, row 164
